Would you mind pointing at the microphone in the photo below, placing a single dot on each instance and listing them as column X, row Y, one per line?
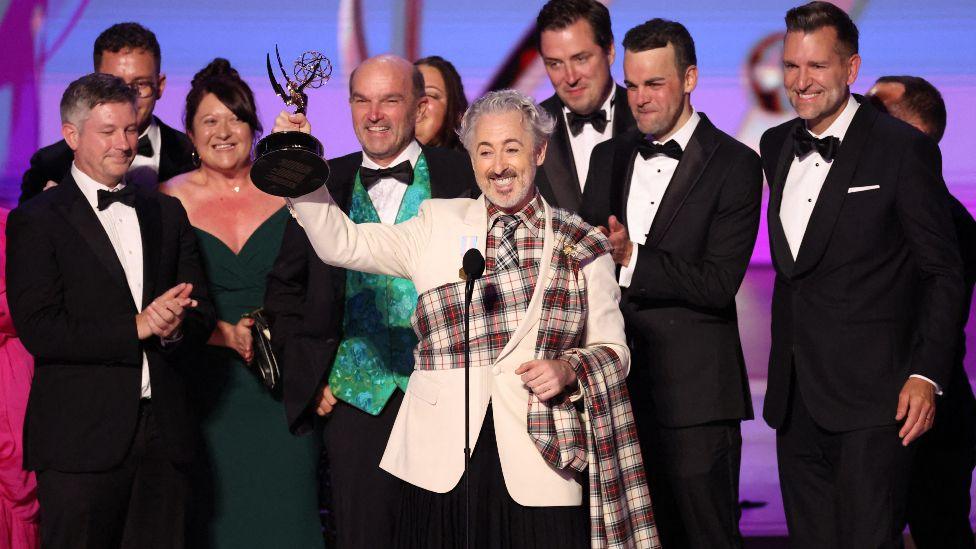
column 473, row 265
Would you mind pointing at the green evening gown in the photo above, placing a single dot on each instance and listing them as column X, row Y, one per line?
column 255, row 483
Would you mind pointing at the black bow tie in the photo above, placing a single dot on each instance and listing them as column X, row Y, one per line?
column 647, row 149
column 597, row 119
column 145, row 147
column 126, row 195
column 804, row 142
column 402, row 172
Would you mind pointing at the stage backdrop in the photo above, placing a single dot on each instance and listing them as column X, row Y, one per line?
column 48, row 43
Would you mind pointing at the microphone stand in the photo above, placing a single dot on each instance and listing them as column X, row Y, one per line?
column 468, row 290
column 473, row 266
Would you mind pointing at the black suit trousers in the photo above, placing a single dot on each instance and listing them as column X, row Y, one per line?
column 939, row 500
column 694, row 479
column 140, row 504
column 841, row 489
column 365, row 498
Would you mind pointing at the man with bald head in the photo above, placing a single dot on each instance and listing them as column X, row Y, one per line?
column 344, row 338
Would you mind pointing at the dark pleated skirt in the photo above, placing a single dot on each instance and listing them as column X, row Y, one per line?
column 429, row 520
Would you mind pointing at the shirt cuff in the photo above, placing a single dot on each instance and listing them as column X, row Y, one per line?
column 938, row 390
column 172, row 338
column 627, row 271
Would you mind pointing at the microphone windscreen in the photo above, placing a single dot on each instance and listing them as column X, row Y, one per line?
column 473, row 264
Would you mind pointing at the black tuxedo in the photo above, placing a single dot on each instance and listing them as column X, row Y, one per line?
column 52, row 163
column 688, row 379
column 874, row 295
column 305, row 298
column 558, row 181
column 72, row 307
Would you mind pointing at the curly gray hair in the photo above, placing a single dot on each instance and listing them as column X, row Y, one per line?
column 534, row 117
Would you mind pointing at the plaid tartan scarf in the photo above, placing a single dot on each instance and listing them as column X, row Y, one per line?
column 603, row 439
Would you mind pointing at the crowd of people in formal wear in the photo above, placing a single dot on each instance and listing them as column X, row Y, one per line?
column 606, row 383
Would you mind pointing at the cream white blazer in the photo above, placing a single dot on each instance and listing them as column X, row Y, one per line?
column 426, row 446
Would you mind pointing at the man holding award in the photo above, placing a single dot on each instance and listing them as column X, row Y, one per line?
column 546, row 336
column 344, row 338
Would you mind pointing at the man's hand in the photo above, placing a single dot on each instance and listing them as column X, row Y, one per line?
column 916, row 405
column 165, row 314
column 50, row 185
column 288, row 122
column 546, row 378
column 326, row 401
column 623, row 248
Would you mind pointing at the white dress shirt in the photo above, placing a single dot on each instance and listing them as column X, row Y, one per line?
column 647, row 186
column 387, row 194
column 582, row 144
column 121, row 224
column 144, row 170
column 805, row 179
column 802, row 189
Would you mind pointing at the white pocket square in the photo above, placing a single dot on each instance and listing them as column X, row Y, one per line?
column 862, row 189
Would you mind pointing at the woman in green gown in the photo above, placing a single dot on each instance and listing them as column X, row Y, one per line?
column 254, row 483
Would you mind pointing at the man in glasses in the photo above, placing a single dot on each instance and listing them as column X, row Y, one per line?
column 131, row 52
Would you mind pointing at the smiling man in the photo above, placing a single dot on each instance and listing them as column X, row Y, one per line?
column 867, row 298
column 130, row 52
column 107, row 292
column 546, row 330
column 680, row 201
column 576, row 44
column 344, row 338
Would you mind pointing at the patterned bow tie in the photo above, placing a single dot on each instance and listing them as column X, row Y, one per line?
column 803, row 143
column 126, row 195
column 647, row 149
column 402, row 172
column 145, row 147
column 597, row 119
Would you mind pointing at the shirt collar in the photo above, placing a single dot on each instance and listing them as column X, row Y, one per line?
column 411, row 153
column 683, row 135
column 532, row 215
column 838, row 128
column 152, row 131
column 607, row 106
column 89, row 187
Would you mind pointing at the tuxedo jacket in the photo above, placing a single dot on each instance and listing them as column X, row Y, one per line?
column 52, row 163
column 425, row 446
column 680, row 308
column 875, row 293
column 305, row 297
column 73, row 310
column 558, row 181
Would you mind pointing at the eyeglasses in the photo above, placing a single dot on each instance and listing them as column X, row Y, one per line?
column 143, row 88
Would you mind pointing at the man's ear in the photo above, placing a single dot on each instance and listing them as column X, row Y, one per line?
column 540, row 156
column 160, row 86
column 70, row 132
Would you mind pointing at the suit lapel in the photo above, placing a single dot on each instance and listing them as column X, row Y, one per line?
column 834, row 191
column 623, row 119
column 780, row 247
column 693, row 162
column 173, row 152
column 151, row 228
column 559, row 165
column 79, row 213
column 621, row 173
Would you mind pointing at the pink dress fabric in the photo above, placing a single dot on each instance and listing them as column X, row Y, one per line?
column 18, row 494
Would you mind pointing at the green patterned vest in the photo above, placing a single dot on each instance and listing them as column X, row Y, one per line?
column 376, row 353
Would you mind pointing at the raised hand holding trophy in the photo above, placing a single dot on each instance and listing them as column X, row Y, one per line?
column 290, row 163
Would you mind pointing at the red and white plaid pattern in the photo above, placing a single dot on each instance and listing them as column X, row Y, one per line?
column 529, row 236
column 607, row 445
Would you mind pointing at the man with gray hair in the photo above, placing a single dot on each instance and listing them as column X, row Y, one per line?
column 546, row 336
column 107, row 291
